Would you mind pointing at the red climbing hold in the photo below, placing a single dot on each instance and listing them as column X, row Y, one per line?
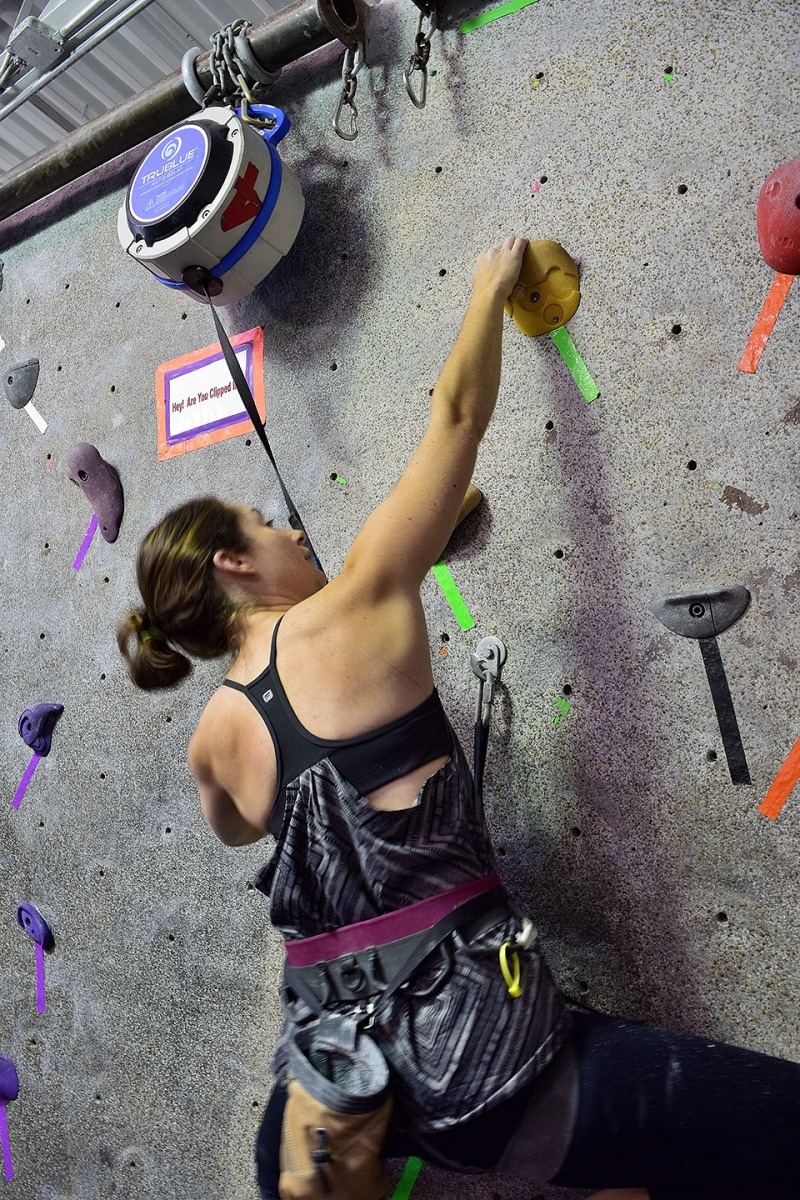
column 245, row 204
column 778, row 219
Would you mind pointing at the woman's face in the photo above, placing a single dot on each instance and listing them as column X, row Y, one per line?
column 279, row 557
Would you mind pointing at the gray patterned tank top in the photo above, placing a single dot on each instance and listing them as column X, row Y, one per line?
column 338, row 861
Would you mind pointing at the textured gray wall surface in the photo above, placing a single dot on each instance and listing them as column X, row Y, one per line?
column 660, row 891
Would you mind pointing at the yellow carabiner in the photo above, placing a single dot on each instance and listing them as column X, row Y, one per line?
column 511, row 978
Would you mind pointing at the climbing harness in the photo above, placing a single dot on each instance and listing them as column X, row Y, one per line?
column 353, row 62
column 418, row 62
column 487, row 663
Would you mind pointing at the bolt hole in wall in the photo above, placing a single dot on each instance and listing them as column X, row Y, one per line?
column 549, row 425
column 558, row 553
column 442, row 272
column 567, row 689
column 711, row 756
column 722, row 917
column 682, row 189
column 691, row 465
column 676, row 330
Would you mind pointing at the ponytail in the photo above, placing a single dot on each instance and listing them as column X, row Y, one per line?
column 185, row 609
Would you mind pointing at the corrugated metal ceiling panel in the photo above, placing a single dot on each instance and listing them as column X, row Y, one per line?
column 150, row 46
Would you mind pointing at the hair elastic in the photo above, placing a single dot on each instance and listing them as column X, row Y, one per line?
column 153, row 633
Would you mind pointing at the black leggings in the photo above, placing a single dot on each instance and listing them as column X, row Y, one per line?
column 686, row 1117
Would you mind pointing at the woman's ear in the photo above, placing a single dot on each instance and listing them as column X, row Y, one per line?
column 231, row 563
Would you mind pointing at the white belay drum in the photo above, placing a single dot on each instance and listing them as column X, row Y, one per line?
column 213, row 198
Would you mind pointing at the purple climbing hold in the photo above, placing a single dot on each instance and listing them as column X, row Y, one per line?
column 31, row 920
column 36, row 726
column 101, row 486
column 9, row 1081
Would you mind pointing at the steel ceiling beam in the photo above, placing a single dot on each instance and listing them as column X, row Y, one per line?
column 278, row 41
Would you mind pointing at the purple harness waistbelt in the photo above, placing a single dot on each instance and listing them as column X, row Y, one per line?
column 389, row 927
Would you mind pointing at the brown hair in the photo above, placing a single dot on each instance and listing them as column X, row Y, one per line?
column 183, row 603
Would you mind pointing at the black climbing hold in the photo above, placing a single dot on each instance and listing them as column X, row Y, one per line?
column 702, row 614
column 20, row 382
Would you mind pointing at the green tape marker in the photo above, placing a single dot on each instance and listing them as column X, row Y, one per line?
column 575, row 364
column 494, row 14
column 453, row 596
column 668, row 77
column 407, row 1180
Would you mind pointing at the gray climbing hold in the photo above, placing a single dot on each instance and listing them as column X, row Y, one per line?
column 101, row 486
column 20, row 382
column 702, row 614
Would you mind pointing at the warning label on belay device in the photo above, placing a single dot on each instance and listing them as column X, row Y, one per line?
column 168, row 174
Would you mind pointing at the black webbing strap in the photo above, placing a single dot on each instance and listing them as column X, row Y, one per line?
column 246, row 396
column 480, row 747
column 726, row 714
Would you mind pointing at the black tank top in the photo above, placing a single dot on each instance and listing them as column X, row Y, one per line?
column 367, row 761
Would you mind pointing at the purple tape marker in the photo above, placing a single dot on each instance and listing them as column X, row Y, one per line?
column 5, row 1143
column 26, row 778
column 86, row 543
column 31, row 920
column 39, row 978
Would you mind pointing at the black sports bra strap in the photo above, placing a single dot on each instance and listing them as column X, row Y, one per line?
column 245, row 687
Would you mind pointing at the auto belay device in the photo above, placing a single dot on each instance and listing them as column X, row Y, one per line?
column 212, row 201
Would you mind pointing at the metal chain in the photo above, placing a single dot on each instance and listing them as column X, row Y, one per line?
column 353, row 62
column 419, row 59
column 228, row 72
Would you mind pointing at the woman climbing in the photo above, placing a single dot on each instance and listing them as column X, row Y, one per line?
column 329, row 734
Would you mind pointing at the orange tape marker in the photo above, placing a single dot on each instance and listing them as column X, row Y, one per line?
column 782, row 784
column 766, row 319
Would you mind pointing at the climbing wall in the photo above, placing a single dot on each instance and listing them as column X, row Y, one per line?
column 638, row 136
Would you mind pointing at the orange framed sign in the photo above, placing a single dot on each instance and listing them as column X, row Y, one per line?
column 197, row 403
